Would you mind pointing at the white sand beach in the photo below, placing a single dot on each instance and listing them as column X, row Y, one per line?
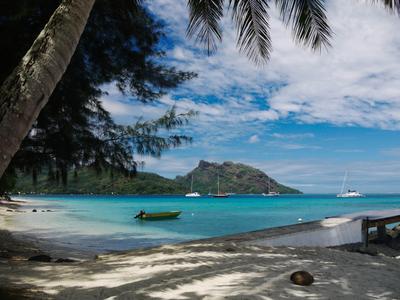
column 216, row 268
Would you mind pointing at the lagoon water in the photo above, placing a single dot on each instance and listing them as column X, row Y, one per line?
column 106, row 222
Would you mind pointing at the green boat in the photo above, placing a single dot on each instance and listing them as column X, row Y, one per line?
column 159, row 216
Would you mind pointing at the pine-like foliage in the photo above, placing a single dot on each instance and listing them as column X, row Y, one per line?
column 120, row 45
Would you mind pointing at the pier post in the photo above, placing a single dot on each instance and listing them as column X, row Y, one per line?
column 381, row 229
column 364, row 232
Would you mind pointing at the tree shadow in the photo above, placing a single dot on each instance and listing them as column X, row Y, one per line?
column 214, row 270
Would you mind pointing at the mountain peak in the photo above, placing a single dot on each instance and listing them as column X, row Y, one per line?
column 234, row 177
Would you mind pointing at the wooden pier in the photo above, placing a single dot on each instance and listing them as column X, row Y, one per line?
column 380, row 224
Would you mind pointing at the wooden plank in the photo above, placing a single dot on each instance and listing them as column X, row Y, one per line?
column 383, row 221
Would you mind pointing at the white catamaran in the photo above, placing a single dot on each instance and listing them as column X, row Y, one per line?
column 270, row 192
column 349, row 193
column 191, row 194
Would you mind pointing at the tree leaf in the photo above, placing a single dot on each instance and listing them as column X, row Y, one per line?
column 204, row 18
column 309, row 22
column 252, row 24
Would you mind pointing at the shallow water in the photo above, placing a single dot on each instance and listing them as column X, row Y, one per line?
column 105, row 222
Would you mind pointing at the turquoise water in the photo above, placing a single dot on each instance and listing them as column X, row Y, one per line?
column 106, row 222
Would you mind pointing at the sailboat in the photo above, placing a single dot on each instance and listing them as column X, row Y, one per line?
column 349, row 193
column 270, row 193
column 220, row 195
column 191, row 194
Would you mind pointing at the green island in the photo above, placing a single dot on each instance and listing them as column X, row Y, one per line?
column 234, row 178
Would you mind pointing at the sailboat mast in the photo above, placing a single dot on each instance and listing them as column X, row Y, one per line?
column 191, row 185
column 218, row 184
column 344, row 182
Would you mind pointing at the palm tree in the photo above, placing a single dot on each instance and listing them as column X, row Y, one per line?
column 27, row 89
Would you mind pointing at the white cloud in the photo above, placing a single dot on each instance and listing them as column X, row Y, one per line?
column 168, row 165
column 288, row 145
column 292, row 135
column 354, row 83
column 254, row 139
column 391, row 152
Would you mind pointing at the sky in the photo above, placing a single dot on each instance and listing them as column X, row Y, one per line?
column 304, row 118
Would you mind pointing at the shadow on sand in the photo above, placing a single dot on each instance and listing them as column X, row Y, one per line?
column 214, row 270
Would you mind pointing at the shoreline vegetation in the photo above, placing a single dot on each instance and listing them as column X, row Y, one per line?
column 234, row 177
column 218, row 267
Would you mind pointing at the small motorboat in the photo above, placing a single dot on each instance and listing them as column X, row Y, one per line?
column 157, row 216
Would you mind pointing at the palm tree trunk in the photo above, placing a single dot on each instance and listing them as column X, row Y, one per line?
column 24, row 93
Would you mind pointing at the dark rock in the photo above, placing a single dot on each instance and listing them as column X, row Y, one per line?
column 43, row 211
column 381, row 240
column 230, row 250
column 367, row 250
column 9, row 210
column 65, row 260
column 302, row 278
column 204, row 164
column 11, row 293
column 41, row 257
column 5, row 254
column 394, row 243
column 49, row 210
column 34, row 210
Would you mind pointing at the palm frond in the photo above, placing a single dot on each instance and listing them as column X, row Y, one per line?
column 309, row 22
column 204, row 18
column 392, row 5
column 252, row 25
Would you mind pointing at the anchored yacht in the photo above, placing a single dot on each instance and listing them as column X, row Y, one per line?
column 192, row 194
column 349, row 193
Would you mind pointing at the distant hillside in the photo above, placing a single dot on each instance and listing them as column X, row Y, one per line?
column 88, row 181
column 234, row 177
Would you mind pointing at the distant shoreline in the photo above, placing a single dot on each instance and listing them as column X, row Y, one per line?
column 179, row 195
column 14, row 195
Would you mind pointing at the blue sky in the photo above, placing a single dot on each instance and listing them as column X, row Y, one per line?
column 304, row 118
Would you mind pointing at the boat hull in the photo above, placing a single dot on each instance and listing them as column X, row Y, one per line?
column 270, row 194
column 160, row 215
column 349, row 196
column 191, row 195
column 220, row 196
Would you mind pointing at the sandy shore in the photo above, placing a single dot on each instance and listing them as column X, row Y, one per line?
column 17, row 244
column 209, row 269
